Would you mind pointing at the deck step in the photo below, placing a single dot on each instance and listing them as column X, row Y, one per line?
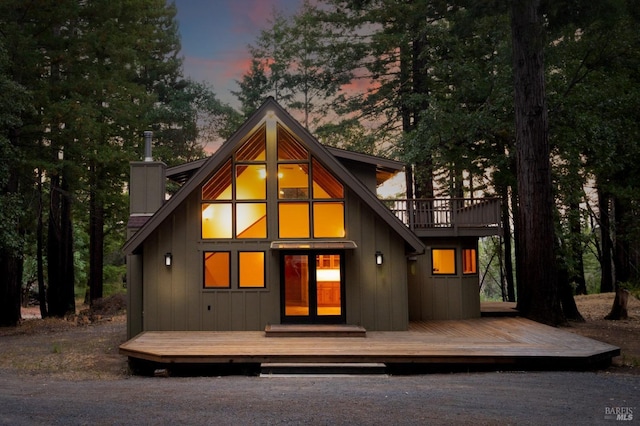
column 321, row 369
column 498, row 309
column 314, row 330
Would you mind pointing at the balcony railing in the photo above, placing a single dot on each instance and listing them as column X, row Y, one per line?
column 447, row 213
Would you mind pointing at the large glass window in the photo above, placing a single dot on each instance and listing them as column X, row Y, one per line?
column 251, row 182
column 218, row 187
column 293, row 220
column 305, row 180
column 251, row 220
column 254, row 149
column 328, row 220
column 217, row 269
column 225, row 211
column 251, row 266
column 217, row 220
column 293, row 181
column 443, row 261
column 324, row 184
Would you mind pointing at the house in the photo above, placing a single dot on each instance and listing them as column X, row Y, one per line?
column 275, row 228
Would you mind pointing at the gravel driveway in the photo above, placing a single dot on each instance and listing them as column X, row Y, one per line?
column 540, row 398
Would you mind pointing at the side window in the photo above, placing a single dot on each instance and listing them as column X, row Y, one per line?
column 469, row 261
column 443, row 261
column 252, row 271
column 217, row 269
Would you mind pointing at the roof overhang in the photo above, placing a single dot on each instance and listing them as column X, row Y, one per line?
column 314, row 245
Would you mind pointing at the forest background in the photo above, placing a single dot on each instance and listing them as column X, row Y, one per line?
column 430, row 83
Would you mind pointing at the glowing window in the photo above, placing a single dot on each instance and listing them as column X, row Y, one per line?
column 469, row 261
column 443, row 261
column 289, row 148
column 217, row 269
column 251, row 265
column 293, row 181
column 324, row 184
column 328, row 220
column 218, row 187
column 293, row 220
column 254, row 148
column 251, row 220
column 216, row 220
column 251, row 182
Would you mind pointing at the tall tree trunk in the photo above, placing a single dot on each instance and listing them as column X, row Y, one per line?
column 506, row 229
column 60, row 296
column 537, row 267
column 606, row 246
column 622, row 260
column 11, row 265
column 516, row 248
column 42, row 291
column 576, row 250
column 96, row 242
column 10, row 290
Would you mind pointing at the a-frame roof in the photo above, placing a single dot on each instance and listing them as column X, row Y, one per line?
column 270, row 108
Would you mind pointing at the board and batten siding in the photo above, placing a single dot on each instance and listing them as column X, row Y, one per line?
column 376, row 296
column 442, row 297
column 174, row 297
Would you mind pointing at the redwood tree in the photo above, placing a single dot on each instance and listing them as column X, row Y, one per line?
column 537, row 268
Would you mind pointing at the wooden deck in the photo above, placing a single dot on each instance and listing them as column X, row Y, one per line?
column 490, row 342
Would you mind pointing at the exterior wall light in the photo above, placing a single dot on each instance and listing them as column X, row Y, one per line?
column 379, row 258
column 168, row 258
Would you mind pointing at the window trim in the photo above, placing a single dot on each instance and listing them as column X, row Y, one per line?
column 204, row 270
column 475, row 261
column 455, row 262
column 264, row 270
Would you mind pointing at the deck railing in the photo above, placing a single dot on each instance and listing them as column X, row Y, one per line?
column 447, row 212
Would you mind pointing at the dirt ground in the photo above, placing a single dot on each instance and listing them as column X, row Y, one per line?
column 86, row 345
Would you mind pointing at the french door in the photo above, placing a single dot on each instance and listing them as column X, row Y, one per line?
column 312, row 287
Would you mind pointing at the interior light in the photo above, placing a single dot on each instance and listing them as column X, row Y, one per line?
column 262, row 173
column 168, row 257
column 379, row 258
column 208, row 213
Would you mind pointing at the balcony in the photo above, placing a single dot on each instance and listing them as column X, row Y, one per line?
column 449, row 217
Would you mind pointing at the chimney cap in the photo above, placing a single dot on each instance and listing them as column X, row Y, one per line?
column 148, row 135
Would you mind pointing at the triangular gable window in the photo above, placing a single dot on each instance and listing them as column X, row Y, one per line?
column 310, row 199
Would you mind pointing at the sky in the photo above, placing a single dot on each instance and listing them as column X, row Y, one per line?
column 215, row 35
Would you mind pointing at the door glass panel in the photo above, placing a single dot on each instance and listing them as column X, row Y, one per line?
column 328, row 284
column 296, row 285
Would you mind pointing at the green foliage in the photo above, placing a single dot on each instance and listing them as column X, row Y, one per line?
column 81, row 81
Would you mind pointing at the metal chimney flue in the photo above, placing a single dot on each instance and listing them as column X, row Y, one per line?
column 148, row 135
